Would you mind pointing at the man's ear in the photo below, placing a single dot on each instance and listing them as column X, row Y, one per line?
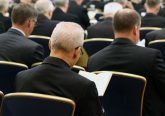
column 49, row 45
column 76, row 52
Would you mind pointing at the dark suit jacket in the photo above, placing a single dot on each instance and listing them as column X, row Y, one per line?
column 151, row 20
column 44, row 26
column 101, row 29
column 6, row 21
column 54, row 77
column 80, row 12
column 59, row 15
column 155, row 35
column 122, row 55
column 2, row 27
column 17, row 48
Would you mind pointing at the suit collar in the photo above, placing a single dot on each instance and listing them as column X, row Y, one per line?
column 15, row 31
column 55, row 61
column 122, row 41
column 150, row 15
column 42, row 17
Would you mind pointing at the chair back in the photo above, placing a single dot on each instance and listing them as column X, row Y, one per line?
column 42, row 40
column 145, row 30
column 124, row 95
column 36, row 64
column 159, row 45
column 8, row 71
column 1, row 98
column 33, row 104
column 94, row 45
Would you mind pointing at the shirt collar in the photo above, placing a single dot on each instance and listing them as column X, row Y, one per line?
column 19, row 30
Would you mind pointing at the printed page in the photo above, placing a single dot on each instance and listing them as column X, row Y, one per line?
column 101, row 80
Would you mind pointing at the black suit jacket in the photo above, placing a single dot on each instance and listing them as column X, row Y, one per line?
column 80, row 12
column 2, row 27
column 54, row 77
column 17, row 48
column 6, row 21
column 122, row 55
column 44, row 26
column 155, row 35
column 101, row 29
column 59, row 15
column 151, row 20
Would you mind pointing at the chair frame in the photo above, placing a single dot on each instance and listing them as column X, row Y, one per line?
column 150, row 28
column 129, row 75
column 156, row 41
column 79, row 67
column 14, row 64
column 98, row 39
column 36, row 64
column 39, row 36
column 42, row 96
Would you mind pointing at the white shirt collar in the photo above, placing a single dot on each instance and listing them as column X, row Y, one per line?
column 19, row 30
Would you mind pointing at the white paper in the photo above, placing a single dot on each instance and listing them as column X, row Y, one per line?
column 101, row 80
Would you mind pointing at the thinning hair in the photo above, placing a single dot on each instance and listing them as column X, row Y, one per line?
column 152, row 3
column 59, row 3
column 22, row 12
column 4, row 4
column 67, row 36
column 125, row 20
column 42, row 6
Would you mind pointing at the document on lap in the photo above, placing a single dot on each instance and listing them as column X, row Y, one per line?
column 101, row 80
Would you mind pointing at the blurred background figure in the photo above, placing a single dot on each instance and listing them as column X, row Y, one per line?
column 44, row 25
column 75, row 8
column 103, row 29
column 60, row 12
column 151, row 19
column 4, row 15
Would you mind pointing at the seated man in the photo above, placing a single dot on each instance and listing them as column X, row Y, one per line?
column 45, row 25
column 55, row 77
column 14, row 45
column 104, row 28
column 125, row 56
column 151, row 19
column 60, row 12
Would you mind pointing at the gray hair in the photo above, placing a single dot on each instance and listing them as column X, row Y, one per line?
column 42, row 6
column 67, row 36
column 4, row 4
column 59, row 3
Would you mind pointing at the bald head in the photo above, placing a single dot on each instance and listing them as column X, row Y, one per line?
column 125, row 20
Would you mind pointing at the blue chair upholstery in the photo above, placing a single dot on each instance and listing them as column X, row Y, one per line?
column 42, row 40
column 33, row 104
column 145, row 30
column 124, row 95
column 159, row 45
column 8, row 71
column 93, row 45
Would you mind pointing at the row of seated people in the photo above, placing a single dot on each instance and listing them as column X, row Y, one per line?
column 150, row 19
column 65, row 44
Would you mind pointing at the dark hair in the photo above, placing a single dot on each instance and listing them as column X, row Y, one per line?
column 125, row 19
column 152, row 3
column 22, row 12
